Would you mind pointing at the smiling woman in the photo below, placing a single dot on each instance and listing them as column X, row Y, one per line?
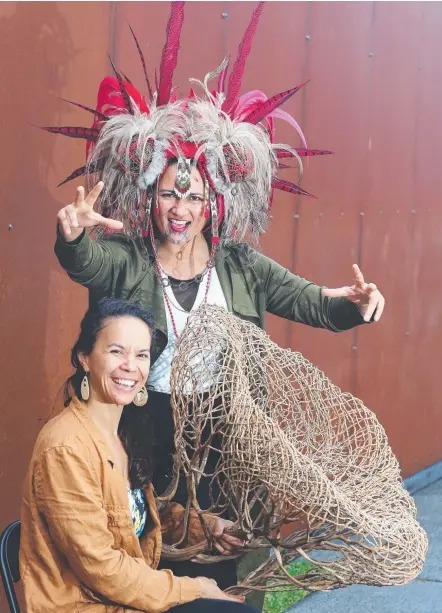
column 88, row 500
column 112, row 354
column 119, row 364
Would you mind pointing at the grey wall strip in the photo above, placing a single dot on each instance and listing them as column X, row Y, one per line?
column 424, row 478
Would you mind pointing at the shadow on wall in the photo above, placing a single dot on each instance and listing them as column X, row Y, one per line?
column 37, row 49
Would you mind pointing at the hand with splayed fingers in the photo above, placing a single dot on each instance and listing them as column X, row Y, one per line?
column 80, row 214
column 366, row 296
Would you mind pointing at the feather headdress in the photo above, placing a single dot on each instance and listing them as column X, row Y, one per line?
column 228, row 136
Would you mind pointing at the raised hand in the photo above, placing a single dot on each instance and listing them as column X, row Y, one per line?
column 366, row 296
column 80, row 214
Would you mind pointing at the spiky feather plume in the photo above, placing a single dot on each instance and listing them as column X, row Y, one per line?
column 230, row 136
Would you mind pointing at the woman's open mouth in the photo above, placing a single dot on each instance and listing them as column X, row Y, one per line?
column 125, row 384
column 177, row 225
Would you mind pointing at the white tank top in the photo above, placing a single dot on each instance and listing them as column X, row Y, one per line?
column 159, row 377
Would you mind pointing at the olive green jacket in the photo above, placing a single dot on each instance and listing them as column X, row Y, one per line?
column 252, row 283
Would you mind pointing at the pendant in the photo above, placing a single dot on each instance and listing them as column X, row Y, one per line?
column 182, row 180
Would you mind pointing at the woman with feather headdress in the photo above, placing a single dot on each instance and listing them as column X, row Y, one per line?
column 175, row 187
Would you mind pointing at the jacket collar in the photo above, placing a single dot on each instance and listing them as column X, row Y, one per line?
column 80, row 410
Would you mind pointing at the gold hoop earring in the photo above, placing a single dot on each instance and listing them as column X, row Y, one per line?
column 85, row 388
column 141, row 397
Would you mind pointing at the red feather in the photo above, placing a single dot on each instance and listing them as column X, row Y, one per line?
column 110, row 98
column 281, row 153
column 126, row 78
column 244, row 48
column 292, row 188
column 79, row 172
column 123, row 90
column 140, row 53
column 169, row 57
column 269, row 105
column 74, row 132
column 87, row 108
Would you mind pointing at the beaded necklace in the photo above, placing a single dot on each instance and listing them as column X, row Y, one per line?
column 165, row 281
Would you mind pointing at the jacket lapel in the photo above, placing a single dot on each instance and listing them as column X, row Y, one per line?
column 236, row 284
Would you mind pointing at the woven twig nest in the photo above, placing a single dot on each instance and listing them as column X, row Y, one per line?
column 293, row 448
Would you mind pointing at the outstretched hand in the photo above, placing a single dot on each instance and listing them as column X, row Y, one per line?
column 366, row 296
column 80, row 214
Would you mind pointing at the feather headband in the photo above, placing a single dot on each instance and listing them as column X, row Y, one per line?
column 229, row 137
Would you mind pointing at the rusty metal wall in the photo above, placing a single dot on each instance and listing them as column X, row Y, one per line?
column 374, row 99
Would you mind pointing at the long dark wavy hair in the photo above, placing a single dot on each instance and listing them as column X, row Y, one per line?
column 135, row 428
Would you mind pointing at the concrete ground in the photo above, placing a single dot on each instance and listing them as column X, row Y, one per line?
column 423, row 595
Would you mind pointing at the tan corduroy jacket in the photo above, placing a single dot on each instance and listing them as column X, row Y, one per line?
column 79, row 551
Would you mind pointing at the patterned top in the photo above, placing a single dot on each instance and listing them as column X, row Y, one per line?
column 138, row 509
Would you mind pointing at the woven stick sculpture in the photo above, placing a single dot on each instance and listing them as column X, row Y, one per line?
column 291, row 447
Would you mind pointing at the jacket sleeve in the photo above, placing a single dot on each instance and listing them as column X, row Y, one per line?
column 69, row 495
column 296, row 299
column 95, row 264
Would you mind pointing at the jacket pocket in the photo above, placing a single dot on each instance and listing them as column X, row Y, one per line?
column 121, row 525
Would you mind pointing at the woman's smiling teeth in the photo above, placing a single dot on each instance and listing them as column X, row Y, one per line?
column 126, row 383
column 178, row 225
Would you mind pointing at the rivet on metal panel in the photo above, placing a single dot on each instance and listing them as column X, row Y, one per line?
column 10, row 227
column 307, row 37
column 370, row 54
column 321, row 214
column 296, row 216
column 342, row 214
column 413, row 212
column 225, row 15
column 407, row 334
column 362, row 214
column 397, row 211
column 355, row 348
column 271, row 216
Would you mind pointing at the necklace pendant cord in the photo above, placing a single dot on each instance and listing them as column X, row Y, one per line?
column 165, row 281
